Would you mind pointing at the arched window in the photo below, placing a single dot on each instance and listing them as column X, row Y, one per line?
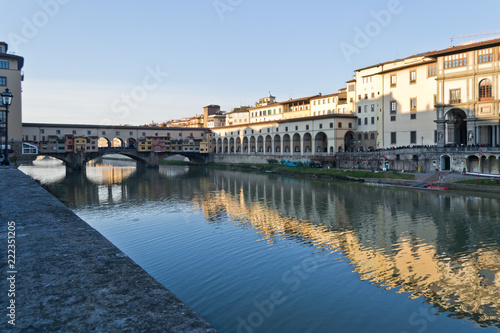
column 485, row 90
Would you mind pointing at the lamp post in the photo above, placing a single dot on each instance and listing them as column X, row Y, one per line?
column 6, row 101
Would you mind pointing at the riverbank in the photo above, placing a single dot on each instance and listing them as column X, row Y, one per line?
column 64, row 276
column 450, row 180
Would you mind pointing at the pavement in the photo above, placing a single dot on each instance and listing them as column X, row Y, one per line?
column 58, row 274
column 441, row 177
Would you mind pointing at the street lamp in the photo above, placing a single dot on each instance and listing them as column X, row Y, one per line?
column 6, row 101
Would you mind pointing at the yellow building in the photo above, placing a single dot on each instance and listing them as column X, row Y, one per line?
column 145, row 144
column 80, row 143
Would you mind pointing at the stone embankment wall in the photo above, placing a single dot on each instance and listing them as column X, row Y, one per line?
column 66, row 277
column 471, row 159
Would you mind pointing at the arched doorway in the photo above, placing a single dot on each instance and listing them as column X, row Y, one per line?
column 286, row 143
column 252, row 144
column 238, row 145
column 231, row 145
column 296, row 143
column 260, row 144
column 321, row 143
column 456, row 127
column 277, row 144
column 269, row 144
column 349, row 141
column 219, row 146
column 245, row 145
column 307, row 142
column 445, row 163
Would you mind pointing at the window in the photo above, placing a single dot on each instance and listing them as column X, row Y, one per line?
column 42, row 131
column 144, row 134
column 296, row 128
column 89, row 132
column 373, row 107
column 435, row 136
column 373, row 120
column 286, row 129
column 331, row 125
column 413, row 76
column 413, row 116
column 74, row 132
column 372, row 136
column 350, row 125
column 4, row 65
column 393, row 80
column 373, row 95
column 117, row 133
column 485, row 56
column 432, row 70
column 366, row 136
column 393, row 118
column 359, row 97
column 366, row 96
column 457, row 60
column 351, row 87
column 435, row 99
column 359, row 109
column 366, row 121
column 320, row 126
column 340, row 125
column 485, row 90
column 359, row 121
column 455, row 96
column 413, row 137
column 394, row 106
column 393, row 138
column 413, row 104
column 3, row 81
column 58, row 132
column 307, row 127
column 359, row 136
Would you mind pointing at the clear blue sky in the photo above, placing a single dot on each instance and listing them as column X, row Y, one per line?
column 83, row 58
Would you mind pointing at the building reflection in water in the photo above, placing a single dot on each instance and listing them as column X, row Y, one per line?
column 444, row 247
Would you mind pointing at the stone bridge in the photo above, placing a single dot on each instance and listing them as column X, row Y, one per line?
column 78, row 160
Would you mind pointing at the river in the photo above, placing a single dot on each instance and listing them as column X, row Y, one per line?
column 254, row 252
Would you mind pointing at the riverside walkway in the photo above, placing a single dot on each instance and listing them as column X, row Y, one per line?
column 63, row 276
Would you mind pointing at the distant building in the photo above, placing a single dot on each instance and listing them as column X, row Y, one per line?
column 11, row 77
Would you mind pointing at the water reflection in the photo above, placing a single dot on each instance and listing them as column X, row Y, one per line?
column 444, row 247
column 441, row 247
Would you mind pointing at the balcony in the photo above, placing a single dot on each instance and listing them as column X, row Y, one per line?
column 455, row 101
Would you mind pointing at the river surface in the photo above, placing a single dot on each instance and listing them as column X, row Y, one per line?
column 257, row 252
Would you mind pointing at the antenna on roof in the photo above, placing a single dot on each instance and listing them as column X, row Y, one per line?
column 290, row 94
column 488, row 33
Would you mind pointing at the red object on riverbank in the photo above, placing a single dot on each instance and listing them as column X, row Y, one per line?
column 437, row 188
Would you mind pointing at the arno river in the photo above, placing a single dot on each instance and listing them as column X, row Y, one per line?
column 261, row 253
